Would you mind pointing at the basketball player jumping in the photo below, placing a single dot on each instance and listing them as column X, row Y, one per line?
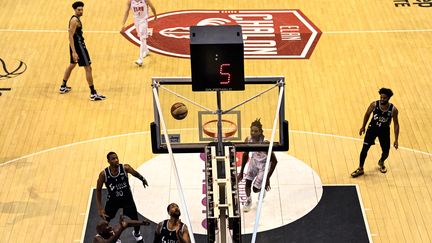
column 140, row 10
column 79, row 53
column 379, row 126
column 115, row 177
column 256, row 165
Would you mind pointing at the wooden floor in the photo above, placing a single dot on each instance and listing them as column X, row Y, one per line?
column 53, row 146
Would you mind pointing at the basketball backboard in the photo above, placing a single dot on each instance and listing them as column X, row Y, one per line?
column 239, row 109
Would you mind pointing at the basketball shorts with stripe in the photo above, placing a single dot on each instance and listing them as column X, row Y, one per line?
column 83, row 55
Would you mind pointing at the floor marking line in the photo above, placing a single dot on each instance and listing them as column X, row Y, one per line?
column 374, row 31
column 185, row 129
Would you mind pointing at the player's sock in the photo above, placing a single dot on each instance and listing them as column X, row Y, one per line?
column 64, row 83
column 92, row 89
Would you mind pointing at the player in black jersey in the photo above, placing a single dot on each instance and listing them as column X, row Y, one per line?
column 379, row 126
column 78, row 53
column 172, row 230
column 115, row 177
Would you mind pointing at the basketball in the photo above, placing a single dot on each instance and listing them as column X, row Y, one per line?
column 179, row 111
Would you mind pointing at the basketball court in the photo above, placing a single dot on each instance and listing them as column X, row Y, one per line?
column 53, row 145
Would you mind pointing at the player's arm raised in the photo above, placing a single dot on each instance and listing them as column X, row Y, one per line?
column 135, row 173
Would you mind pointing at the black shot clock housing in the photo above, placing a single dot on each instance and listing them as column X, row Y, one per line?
column 217, row 58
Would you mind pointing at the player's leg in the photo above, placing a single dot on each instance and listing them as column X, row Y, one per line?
column 369, row 140
column 89, row 77
column 111, row 209
column 259, row 176
column 143, row 47
column 384, row 139
column 248, row 187
column 258, row 181
column 68, row 72
column 130, row 210
column 141, row 28
column 94, row 96
column 85, row 61
column 63, row 87
column 363, row 154
column 248, row 203
column 250, row 176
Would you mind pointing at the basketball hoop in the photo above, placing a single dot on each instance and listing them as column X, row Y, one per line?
column 229, row 128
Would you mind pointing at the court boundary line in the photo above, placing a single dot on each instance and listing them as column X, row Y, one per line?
column 184, row 129
column 87, row 214
column 363, row 212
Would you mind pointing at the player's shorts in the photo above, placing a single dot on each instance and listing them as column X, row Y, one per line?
column 128, row 205
column 383, row 135
column 83, row 55
column 255, row 171
column 141, row 28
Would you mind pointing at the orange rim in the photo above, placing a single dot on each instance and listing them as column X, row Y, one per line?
column 224, row 134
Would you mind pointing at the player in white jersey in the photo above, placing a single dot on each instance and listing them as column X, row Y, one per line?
column 256, row 165
column 140, row 11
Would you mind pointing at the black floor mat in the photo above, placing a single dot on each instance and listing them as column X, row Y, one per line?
column 337, row 218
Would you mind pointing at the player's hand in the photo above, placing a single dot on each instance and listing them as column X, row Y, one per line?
column 144, row 181
column 362, row 130
column 102, row 213
column 75, row 57
column 396, row 144
column 123, row 223
column 145, row 222
column 240, row 177
column 267, row 186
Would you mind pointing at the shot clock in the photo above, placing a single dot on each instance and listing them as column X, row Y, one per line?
column 217, row 58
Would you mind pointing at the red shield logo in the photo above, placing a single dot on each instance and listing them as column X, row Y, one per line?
column 266, row 33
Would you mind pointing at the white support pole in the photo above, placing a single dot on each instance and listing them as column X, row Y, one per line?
column 267, row 165
column 179, row 186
